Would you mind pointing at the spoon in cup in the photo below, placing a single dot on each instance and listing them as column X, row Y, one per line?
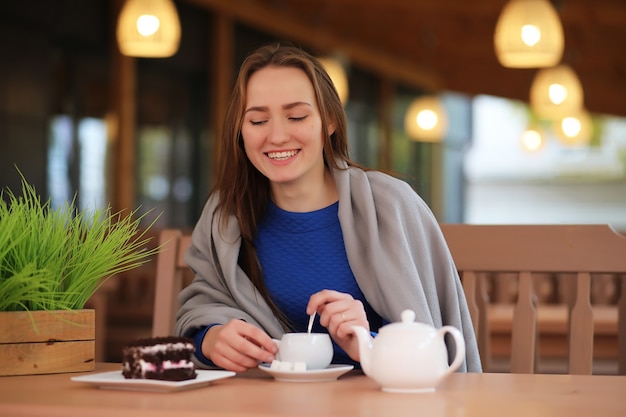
column 311, row 318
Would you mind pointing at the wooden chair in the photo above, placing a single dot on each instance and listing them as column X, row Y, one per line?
column 579, row 251
column 171, row 269
column 523, row 250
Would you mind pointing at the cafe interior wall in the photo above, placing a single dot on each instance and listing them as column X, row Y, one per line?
column 56, row 78
column 58, row 62
column 55, row 103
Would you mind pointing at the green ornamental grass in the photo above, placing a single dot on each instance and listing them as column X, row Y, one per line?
column 56, row 259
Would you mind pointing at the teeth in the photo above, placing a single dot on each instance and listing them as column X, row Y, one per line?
column 281, row 155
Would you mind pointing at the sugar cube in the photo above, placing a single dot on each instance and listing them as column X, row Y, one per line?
column 299, row 366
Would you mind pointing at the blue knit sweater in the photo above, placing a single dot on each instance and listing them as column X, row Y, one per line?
column 301, row 254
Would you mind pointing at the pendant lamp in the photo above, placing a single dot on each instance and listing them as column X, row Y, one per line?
column 532, row 139
column 575, row 129
column 337, row 74
column 529, row 34
column 426, row 119
column 148, row 29
column 556, row 92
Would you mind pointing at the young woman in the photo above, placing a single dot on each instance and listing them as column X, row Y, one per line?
column 294, row 227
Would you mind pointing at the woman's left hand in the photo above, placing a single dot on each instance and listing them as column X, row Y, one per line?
column 338, row 313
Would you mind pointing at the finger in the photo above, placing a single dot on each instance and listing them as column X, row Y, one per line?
column 254, row 351
column 345, row 329
column 236, row 354
column 338, row 319
column 259, row 343
column 242, row 344
column 330, row 314
column 228, row 364
column 342, row 319
column 321, row 298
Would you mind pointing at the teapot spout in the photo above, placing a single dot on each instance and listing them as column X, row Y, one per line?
column 365, row 347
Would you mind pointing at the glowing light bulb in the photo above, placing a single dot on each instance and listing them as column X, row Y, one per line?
column 531, row 35
column 571, row 126
column 557, row 93
column 532, row 140
column 427, row 119
column 337, row 74
column 147, row 24
column 148, row 28
column 575, row 129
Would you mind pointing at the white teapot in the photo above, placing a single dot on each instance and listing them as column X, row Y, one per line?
column 408, row 356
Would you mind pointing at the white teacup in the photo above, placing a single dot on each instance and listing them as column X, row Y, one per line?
column 313, row 349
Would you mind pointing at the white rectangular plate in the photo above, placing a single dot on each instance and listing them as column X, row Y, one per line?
column 115, row 380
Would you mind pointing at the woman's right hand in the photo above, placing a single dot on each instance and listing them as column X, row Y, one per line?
column 238, row 346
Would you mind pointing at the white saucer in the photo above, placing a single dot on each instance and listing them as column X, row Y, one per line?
column 317, row 375
column 115, row 380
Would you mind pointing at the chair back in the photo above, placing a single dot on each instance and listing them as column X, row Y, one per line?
column 575, row 252
column 171, row 269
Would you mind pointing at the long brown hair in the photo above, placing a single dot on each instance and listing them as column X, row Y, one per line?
column 243, row 191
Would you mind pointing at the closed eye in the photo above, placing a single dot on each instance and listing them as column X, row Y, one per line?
column 257, row 122
column 297, row 119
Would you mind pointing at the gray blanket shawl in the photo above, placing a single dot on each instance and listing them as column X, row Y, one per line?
column 395, row 248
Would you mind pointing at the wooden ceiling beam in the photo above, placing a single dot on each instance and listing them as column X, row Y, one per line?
column 283, row 25
column 444, row 45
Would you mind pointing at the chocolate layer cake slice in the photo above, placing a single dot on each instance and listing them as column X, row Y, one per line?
column 163, row 358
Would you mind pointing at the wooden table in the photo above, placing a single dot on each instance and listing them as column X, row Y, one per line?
column 353, row 394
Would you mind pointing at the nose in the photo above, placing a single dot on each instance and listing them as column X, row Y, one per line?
column 278, row 132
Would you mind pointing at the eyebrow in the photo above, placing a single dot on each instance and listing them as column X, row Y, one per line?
column 285, row 107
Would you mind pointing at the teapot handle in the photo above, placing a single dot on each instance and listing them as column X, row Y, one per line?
column 460, row 348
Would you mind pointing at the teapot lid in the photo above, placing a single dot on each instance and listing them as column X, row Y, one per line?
column 408, row 316
column 407, row 322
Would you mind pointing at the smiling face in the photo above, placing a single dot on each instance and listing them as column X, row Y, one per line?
column 282, row 128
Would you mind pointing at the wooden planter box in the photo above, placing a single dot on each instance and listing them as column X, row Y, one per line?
column 42, row 342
